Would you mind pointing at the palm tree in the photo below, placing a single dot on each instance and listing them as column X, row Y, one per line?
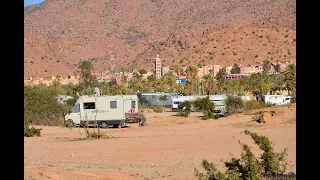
column 266, row 66
column 177, row 70
column 119, row 89
column 134, row 84
column 193, row 80
column 152, row 79
column 290, row 78
column 161, row 85
column 209, row 84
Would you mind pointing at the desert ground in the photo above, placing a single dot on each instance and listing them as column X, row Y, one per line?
column 169, row 147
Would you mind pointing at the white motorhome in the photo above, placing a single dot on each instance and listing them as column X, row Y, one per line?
column 277, row 99
column 102, row 110
column 178, row 100
column 219, row 102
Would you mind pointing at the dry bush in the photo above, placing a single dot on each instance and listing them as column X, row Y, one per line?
column 270, row 164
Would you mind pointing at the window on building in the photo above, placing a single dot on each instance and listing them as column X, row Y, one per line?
column 133, row 104
column 89, row 105
column 113, row 104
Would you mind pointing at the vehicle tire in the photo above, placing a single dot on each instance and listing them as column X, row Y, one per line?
column 70, row 123
column 104, row 125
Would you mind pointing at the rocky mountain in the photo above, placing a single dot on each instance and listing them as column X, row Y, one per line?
column 129, row 34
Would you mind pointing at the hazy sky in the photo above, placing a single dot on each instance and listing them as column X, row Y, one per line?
column 29, row 2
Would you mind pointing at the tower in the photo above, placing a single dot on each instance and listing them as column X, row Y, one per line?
column 158, row 67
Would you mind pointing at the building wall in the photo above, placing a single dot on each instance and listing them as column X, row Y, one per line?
column 164, row 70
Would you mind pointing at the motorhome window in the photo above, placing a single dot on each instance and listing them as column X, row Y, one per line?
column 218, row 102
column 133, row 104
column 76, row 109
column 153, row 96
column 176, row 102
column 113, row 104
column 270, row 97
column 89, row 105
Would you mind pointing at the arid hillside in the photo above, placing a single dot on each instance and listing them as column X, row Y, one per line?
column 113, row 33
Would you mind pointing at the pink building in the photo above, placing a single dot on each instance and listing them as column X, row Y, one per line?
column 158, row 67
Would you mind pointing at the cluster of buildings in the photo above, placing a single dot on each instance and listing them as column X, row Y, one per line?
column 159, row 71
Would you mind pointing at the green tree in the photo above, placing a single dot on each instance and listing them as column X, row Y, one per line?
column 290, row 78
column 119, row 89
column 86, row 77
column 192, row 80
column 266, row 66
column 143, row 71
column 177, row 70
column 209, row 84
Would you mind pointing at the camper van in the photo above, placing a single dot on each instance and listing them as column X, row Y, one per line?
column 277, row 99
column 219, row 102
column 103, row 111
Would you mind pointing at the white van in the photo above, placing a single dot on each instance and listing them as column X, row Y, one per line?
column 103, row 111
column 277, row 99
column 219, row 102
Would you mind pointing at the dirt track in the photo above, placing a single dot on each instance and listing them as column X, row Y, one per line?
column 169, row 147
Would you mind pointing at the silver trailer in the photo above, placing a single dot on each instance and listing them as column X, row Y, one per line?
column 154, row 99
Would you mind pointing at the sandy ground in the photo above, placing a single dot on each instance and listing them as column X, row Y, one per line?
column 169, row 147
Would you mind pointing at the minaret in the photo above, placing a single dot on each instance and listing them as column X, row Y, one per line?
column 158, row 67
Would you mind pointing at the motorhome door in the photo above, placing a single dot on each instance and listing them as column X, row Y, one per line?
column 130, row 105
column 74, row 114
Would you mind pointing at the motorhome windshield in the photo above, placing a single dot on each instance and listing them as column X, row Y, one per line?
column 76, row 109
column 219, row 102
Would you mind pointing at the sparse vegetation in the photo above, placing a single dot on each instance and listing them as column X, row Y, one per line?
column 253, row 104
column 248, row 166
column 158, row 109
column 205, row 106
column 31, row 132
column 234, row 104
column 164, row 97
column 184, row 109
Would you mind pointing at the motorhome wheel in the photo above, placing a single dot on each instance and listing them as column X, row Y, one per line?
column 104, row 125
column 70, row 123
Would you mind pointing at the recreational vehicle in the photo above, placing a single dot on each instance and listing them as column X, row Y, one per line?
column 178, row 100
column 63, row 99
column 156, row 99
column 277, row 99
column 219, row 102
column 103, row 111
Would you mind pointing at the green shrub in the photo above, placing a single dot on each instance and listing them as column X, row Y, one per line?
column 186, row 109
column 253, row 104
column 205, row 106
column 158, row 109
column 234, row 104
column 248, row 166
column 207, row 114
column 41, row 106
column 143, row 121
column 31, row 132
column 164, row 97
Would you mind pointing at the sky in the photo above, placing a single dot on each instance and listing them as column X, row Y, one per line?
column 29, row 2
